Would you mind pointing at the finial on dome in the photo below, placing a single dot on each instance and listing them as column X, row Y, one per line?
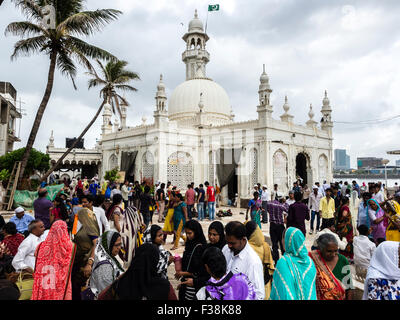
column 160, row 77
column 195, row 14
column 263, row 67
column 201, row 104
column 311, row 112
column 286, row 106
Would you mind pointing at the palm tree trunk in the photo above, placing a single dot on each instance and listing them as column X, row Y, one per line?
column 44, row 177
column 39, row 114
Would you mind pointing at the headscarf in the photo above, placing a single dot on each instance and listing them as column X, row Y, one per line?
column 141, row 280
column 54, row 257
column 384, row 264
column 199, row 237
column 153, row 231
column 219, row 228
column 392, row 232
column 295, row 273
column 88, row 222
column 368, row 207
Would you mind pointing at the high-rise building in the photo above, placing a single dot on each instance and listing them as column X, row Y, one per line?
column 397, row 163
column 342, row 160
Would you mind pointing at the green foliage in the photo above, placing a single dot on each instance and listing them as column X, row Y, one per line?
column 37, row 161
column 4, row 175
column 112, row 175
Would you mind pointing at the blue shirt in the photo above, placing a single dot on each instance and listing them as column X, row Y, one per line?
column 23, row 223
column 93, row 188
column 362, row 215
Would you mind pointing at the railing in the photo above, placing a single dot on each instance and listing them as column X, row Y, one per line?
column 6, row 87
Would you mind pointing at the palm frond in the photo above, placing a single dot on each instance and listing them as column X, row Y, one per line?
column 124, row 101
column 118, row 106
column 24, row 29
column 89, row 50
column 28, row 46
column 66, row 66
column 30, row 8
column 125, row 87
column 88, row 22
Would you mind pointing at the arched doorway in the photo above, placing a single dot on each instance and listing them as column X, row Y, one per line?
column 302, row 167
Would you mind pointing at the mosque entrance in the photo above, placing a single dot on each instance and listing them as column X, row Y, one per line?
column 302, row 167
column 233, row 187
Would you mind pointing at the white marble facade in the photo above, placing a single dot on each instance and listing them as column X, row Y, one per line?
column 197, row 120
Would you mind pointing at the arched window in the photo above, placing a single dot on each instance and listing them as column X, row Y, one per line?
column 280, row 170
column 180, row 169
column 148, row 165
column 322, row 168
column 113, row 162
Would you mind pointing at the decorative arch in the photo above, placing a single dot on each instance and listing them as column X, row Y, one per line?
column 148, row 165
column 322, row 168
column 113, row 162
column 180, row 169
column 280, row 170
column 253, row 167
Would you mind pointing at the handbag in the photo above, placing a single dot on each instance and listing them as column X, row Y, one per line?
column 190, row 292
column 25, row 281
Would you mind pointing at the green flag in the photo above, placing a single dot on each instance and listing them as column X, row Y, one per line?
column 213, row 7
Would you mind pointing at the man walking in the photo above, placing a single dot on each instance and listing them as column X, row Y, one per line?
column 210, row 198
column 298, row 213
column 327, row 208
column 313, row 205
column 265, row 197
column 189, row 200
column 276, row 209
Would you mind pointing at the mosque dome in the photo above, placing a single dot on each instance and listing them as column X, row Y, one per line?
column 184, row 100
column 195, row 24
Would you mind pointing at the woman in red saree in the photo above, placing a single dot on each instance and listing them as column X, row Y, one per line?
column 54, row 259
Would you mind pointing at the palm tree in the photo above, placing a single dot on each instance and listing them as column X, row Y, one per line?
column 59, row 41
column 114, row 77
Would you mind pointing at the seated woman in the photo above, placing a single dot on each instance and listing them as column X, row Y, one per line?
column 223, row 286
column 141, row 281
column 334, row 281
column 295, row 273
column 257, row 241
column 383, row 276
column 106, row 268
column 12, row 239
column 344, row 228
column 166, row 258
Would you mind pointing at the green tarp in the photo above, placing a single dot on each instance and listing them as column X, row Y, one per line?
column 25, row 198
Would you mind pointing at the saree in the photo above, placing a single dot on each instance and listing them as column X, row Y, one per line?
column 392, row 232
column 54, row 257
column 328, row 286
column 255, row 211
column 131, row 223
column 344, row 229
column 295, row 273
column 168, row 225
column 12, row 242
column 257, row 242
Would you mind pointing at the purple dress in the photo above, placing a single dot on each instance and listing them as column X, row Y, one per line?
column 231, row 287
column 379, row 230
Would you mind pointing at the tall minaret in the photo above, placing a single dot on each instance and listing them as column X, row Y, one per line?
column 160, row 114
column 51, row 141
column 107, row 113
column 264, row 108
column 195, row 56
column 326, row 121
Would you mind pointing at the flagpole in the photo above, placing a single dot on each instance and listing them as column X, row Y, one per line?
column 206, row 22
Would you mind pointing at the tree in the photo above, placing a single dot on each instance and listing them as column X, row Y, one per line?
column 37, row 161
column 112, row 175
column 115, row 77
column 56, row 35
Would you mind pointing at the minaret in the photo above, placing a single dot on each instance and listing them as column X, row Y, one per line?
column 264, row 92
column 286, row 117
column 123, row 115
column 51, row 141
column 160, row 114
column 311, row 123
column 195, row 56
column 326, row 121
column 200, row 116
column 116, row 124
column 106, row 127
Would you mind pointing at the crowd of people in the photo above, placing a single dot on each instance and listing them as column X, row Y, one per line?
column 97, row 241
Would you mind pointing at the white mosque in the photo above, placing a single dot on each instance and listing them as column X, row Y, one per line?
column 194, row 137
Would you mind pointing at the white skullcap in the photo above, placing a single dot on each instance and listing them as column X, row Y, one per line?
column 315, row 187
column 264, row 186
column 19, row 210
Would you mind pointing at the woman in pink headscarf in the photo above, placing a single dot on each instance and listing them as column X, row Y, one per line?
column 54, row 259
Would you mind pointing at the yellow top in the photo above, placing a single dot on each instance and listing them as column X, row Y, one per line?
column 327, row 209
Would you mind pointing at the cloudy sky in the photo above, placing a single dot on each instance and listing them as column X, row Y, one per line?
column 349, row 48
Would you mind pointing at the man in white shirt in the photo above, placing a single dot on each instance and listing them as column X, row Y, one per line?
column 95, row 206
column 313, row 205
column 291, row 199
column 330, row 228
column 265, row 197
column 240, row 257
column 25, row 257
column 363, row 249
column 320, row 189
column 378, row 195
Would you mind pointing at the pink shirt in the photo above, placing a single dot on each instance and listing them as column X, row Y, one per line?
column 190, row 197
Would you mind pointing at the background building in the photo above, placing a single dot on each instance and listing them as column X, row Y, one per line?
column 342, row 160
column 8, row 116
column 369, row 162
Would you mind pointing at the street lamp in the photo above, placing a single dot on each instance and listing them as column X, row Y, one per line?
column 385, row 162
